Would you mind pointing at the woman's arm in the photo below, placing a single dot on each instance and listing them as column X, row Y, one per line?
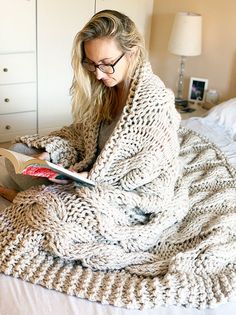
column 64, row 146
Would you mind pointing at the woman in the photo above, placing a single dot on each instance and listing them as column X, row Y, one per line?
column 124, row 136
column 164, row 226
column 108, row 57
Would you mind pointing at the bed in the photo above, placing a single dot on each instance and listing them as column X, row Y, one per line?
column 18, row 297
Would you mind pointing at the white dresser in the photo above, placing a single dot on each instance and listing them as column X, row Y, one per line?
column 18, row 101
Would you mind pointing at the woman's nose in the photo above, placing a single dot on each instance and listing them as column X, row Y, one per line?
column 99, row 74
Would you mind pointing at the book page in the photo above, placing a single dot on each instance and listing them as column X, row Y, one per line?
column 19, row 160
column 23, row 162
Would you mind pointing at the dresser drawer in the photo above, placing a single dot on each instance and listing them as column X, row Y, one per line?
column 14, row 125
column 17, row 98
column 17, row 68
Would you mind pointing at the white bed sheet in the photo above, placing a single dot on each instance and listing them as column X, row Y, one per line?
column 21, row 298
column 18, row 297
column 215, row 133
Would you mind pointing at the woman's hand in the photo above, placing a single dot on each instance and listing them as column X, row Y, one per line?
column 60, row 181
column 83, row 174
column 67, row 181
column 46, row 156
column 42, row 156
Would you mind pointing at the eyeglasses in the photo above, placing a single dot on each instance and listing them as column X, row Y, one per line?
column 108, row 69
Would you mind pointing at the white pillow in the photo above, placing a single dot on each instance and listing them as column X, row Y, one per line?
column 224, row 115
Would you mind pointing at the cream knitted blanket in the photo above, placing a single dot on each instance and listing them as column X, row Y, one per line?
column 159, row 228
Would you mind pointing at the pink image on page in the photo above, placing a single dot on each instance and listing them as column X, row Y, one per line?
column 40, row 172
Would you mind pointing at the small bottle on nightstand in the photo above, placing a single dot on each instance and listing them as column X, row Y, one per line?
column 212, row 99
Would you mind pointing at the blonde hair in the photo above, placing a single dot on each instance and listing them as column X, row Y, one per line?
column 91, row 99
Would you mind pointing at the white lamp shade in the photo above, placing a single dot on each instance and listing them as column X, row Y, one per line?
column 186, row 35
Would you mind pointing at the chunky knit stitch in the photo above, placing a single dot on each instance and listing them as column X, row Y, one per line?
column 158, row 228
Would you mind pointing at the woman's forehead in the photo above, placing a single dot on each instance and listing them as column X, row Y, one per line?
column 101, row 48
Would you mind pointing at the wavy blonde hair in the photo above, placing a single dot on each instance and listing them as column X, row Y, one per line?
column 91, row 99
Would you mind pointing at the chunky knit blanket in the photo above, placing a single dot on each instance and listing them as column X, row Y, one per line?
column 159, row 228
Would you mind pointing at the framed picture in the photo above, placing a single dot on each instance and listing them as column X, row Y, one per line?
column 197, row 89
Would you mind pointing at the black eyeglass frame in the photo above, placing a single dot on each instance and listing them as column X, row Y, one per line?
column 112, row 65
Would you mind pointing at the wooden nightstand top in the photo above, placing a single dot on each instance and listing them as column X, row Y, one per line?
column 198, row 112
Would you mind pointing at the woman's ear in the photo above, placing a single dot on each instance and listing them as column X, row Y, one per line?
column 133, row 52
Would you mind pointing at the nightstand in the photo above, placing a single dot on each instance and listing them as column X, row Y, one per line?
column 198, row 112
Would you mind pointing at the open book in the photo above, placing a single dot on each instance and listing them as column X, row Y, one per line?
column 28, row 165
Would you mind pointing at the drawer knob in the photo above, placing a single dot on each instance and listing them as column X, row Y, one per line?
column 6, row 100
column 5, row 69
column 8, row 127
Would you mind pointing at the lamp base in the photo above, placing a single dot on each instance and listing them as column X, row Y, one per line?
column 181, row 102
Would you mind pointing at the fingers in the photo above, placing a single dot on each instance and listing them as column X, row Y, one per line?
column 60, row 181
column 84, row 174
column 57, row 179
column 43, row 156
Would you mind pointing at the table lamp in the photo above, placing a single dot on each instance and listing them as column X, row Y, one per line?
column 185, row 40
